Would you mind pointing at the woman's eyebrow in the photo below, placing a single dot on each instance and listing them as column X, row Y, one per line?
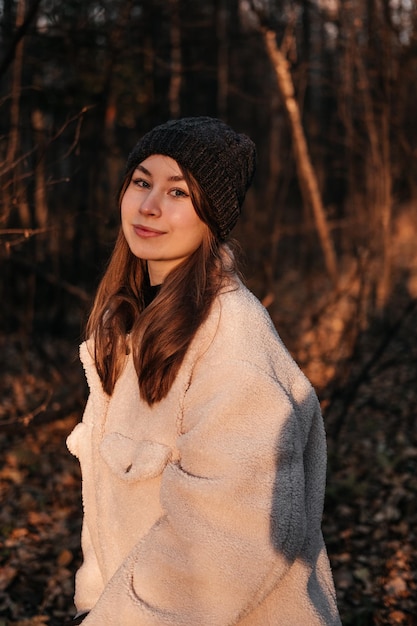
column 143, row 170
column 174, row 178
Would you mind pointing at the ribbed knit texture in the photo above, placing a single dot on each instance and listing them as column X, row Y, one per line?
column 222, row 161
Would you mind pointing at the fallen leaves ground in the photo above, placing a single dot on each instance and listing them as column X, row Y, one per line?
column 40, row 523
column 39, row 484
column 371, row 506
column 370, row 521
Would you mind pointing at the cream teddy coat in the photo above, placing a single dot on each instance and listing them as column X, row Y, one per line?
column 205, row 509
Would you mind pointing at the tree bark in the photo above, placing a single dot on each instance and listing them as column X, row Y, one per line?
column 222, row 59
column 22, row 25
column 307, row 177
column 41, row 205
column 16, row 195
column 376, row 120
column 176, row 62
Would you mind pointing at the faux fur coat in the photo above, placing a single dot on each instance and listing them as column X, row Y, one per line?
column 205, row 510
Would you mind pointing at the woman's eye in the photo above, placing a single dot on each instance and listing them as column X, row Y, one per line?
column 140, row 182
column 179, row 193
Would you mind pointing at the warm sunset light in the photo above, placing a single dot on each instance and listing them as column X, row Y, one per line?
column 290, row 158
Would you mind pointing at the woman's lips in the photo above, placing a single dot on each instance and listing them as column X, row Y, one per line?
column 145, row 232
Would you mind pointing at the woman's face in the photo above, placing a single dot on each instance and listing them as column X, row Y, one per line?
column 159, row 221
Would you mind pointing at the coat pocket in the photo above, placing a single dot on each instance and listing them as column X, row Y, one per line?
column 76, row 438
column 134, row 460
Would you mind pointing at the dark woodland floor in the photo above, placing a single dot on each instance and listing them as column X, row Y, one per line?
column 370, row 521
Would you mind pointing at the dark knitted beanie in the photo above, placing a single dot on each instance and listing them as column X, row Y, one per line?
column 221, row 160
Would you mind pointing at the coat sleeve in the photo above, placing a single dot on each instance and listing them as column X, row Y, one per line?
column 234, row 507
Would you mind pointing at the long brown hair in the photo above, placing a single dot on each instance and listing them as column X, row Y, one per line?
column 158, row 335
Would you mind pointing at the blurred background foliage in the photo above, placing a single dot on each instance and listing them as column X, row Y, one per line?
column 327, row 90
column 82, row 80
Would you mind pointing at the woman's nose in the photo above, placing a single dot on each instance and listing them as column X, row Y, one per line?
column 150, row 204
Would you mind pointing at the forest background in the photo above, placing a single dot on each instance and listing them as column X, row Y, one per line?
column 327, row 89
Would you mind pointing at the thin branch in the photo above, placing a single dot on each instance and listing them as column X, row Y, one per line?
column 7, row 167
column 26, row 232
column 73, row 290
column 28, row 417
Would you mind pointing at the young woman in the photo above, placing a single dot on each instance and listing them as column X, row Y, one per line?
column 202, row 445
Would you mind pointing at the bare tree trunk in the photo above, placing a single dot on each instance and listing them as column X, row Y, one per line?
column 378, row 166
column 272, row 188
column 222, row 59
column 149, row 69
column 22, row 26
column 345, row 102
column 384, row 284
column 13, row 139
column 385, row 281
column 18, row 195
column 307, row 177
column 41, row 206
column 176, row 62
column 108, row 163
